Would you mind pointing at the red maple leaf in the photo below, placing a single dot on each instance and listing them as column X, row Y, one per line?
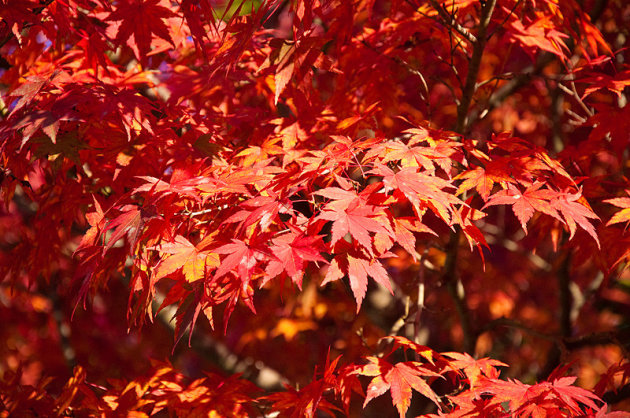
column 140, row 19
column 96, row 221
column 575, row 213
column 408, row 156
column 524, row 204
column 571, row 395
column 420, row 187
column 240, row 257
column 261, row 209
column 404, row 229
column 350, row 214
column 292, row 251
column 550, row 202
column 358, row 269
column 399, row 379
column 307, row 401
column 27, row 91
column 131, row 222
column 484, row 179
column 603, row 81
column 422, row 350
column 543, row 398
column 539, row 35
column 475, row 369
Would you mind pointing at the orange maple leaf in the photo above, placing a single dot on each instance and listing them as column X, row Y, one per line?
column 399, row 379
column 183, row 254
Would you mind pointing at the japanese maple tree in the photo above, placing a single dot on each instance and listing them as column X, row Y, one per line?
column 314, row 207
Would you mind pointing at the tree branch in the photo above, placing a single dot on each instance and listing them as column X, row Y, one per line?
column 565, row 299
column 619, row 337
column 456, row 291
column 453, row 283
column 449, row 19
column 473, row 67
column 613, row 397
column 529, row 72
column 512, row 86
column 597, row 10
column 511, row 323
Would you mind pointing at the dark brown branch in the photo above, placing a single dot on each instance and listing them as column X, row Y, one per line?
column 473, row 68
column 621, row 394
column 511, row 323
column 565, row 299
column 562, row 345
column 453, row 282
column 516, row 83
column 456, row 291
column 619, row 337
column 598, row 9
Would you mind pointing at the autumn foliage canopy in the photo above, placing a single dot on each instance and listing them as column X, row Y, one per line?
column 314, row 208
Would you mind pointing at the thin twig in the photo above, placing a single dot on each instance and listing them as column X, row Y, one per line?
column 504, row 76
column 512, row 86
column 451, row 22
column 573, row 93
column 403, row 64
column 511, row 323
column 504, row 20
column 579, row 120
column 199, row 212
column 587, row 109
